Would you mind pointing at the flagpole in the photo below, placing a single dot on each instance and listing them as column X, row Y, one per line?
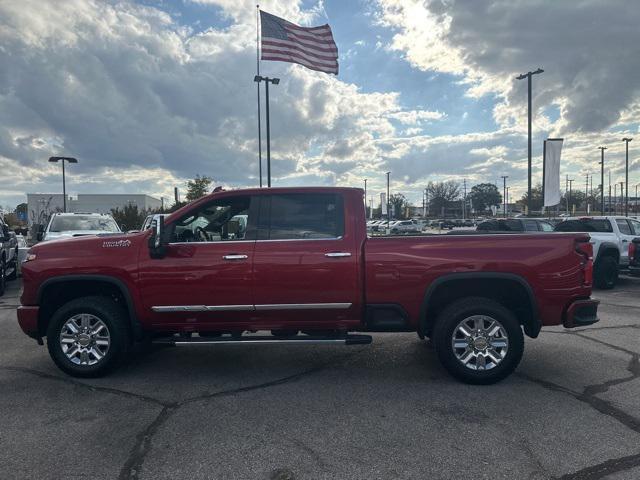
column 258, row 87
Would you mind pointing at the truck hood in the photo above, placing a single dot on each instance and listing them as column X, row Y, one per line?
column 76, row 233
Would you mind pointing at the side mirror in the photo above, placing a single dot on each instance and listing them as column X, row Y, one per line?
column 157, row 241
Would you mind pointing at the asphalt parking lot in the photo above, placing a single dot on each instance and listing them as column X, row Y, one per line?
column 386, row 411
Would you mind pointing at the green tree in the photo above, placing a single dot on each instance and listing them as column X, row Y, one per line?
column 483, row 196
column 129, row 217
column 198, row 187
column 441, row 193
column 399, row 205
column 536, row 199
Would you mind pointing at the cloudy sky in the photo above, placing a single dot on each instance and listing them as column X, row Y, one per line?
column 148, row 94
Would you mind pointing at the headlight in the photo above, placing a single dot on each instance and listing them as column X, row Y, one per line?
column 29, row 257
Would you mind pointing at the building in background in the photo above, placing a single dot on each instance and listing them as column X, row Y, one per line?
column 41, row 205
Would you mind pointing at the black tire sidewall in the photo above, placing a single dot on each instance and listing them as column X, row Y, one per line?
column 456, row 312
column 114, row 318
column 607, row 266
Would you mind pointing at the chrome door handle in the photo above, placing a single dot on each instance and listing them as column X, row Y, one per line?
column 235, row 257
column 337, row 254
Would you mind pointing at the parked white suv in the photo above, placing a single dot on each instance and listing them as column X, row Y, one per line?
column 610, row 237
column 403, row 226
column 67, row 225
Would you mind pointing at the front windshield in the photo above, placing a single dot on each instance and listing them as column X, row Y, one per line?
column 83, row 222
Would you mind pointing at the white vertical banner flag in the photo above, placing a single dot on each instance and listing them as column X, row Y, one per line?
column 551, row 179
column 383, row 204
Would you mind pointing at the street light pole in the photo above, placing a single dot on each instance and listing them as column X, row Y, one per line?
column 504, row 194
column 267, row 81
column 626, row 176
column 388, row 204
column 602, row 149
column 622, row 200
column 64, row 186
column 528, row 76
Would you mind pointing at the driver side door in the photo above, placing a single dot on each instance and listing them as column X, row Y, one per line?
column 204, row 281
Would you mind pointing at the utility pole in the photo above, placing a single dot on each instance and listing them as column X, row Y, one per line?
column 507, row 211
column 566, row 194
column 388, row 204
column 609, row 192
column 365, row 197
column 464, row 199
column 528, row 76
column 504, row 194
column 626, row 176
column 570, row 186
column 586, row 195
column 622, row 200
column 602, row 149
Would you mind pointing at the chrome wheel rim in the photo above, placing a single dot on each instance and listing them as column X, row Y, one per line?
column 480, row 342
column 85, row 339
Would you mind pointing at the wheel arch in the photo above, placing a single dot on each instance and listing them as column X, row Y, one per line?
column 511, row 290
column 608, row 249
column 52, row 294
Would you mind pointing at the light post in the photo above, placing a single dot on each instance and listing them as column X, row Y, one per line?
column 64, row 186
column 267, row 81
column 622, row 200
column 602, row 149
column 388, row 204
column 504, row 194
column 528, row 76
column 626, row 176
column 506, row 213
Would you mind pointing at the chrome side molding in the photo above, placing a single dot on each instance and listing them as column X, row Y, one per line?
column 245, row 308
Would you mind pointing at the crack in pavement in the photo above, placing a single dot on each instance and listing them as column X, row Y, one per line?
column 603, row 469
column 133, row 465
column 589, row 396
column 93, row 388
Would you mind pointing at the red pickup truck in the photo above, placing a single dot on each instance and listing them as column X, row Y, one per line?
column 297, row 263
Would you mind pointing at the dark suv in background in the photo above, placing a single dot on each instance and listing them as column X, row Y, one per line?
column 515, row 225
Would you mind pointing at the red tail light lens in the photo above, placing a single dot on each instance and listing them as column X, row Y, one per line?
column 586, row 250
column 632, row 252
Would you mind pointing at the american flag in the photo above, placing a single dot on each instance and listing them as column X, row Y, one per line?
column 312, row 47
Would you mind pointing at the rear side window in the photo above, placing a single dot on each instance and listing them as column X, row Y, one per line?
column 624, row 227
column 585, row 225
column 546, row 227
column 531, row 225
column 635, row 225
column 304, row 216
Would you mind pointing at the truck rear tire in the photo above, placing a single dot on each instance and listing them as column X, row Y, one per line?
column 478, row 340
column 89, row 336
column 606, row 272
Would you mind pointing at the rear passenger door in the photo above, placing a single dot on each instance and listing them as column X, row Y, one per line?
column 626, row 236
column 305, row 263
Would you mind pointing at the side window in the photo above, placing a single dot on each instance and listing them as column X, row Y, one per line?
column 222, row 220
column 624, row 227
column 635, row 226
column 305, row 216
column 530, row 225
column 546, row 227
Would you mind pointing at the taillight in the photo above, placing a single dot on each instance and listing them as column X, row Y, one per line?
column 586, row 250
column 632, row 252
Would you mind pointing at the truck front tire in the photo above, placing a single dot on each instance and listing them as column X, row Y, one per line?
column 89, row 336
column 478, row 340
column 606, row 272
